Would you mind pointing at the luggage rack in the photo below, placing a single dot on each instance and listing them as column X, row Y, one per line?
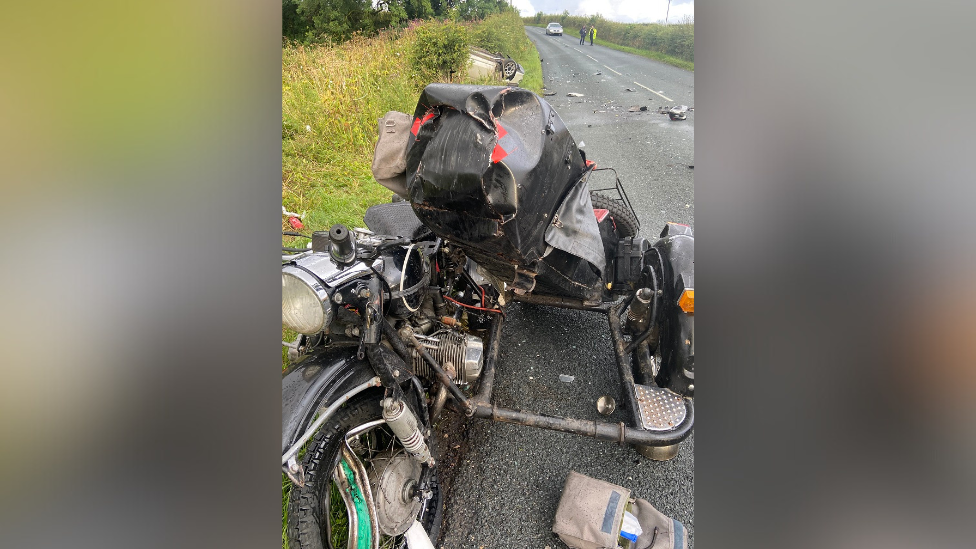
column 619, row 189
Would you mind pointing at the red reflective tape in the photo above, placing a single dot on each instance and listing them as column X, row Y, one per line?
column 501, row 131
column 600, row 214
column 590, row 163
column 498, row 154
column 417, row 122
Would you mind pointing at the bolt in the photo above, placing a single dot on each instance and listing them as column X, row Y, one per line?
column 396, row 373
column 691, row 386
column 337, row 298
column 364, row 293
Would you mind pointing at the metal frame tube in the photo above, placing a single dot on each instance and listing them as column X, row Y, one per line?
column 615, row 432
column 488, row 373
column 623, row 365
column 561, row 302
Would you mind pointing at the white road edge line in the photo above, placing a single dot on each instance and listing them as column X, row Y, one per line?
column 613, row 71
column 652, row 91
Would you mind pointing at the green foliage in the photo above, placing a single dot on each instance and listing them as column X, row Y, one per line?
column 471, row 10
column 418, row 9
column 438, row 49
column 538, row 17
column 338, row 19
column 293, row 25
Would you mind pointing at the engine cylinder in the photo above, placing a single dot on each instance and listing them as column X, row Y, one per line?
column 464, row 352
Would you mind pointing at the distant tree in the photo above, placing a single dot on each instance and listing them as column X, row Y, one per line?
column 293, row 25
column 479, row 9
column 419, row 9
column 443, row 8
column 338, row 19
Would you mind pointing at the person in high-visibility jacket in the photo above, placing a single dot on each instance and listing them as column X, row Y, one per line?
column 592, row 34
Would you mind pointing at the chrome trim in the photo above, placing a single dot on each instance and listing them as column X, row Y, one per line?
column 362, row 480
column 363, row 428
column 318, row 288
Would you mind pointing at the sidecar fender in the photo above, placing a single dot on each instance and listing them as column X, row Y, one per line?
column 675, row 271
column 317, row 381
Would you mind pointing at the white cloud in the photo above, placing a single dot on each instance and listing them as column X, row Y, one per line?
column 525, row 7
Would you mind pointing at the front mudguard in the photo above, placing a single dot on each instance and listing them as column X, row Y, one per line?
column 315, row 382
column 673, row 264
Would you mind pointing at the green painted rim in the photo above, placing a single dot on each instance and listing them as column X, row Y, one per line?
column 363, row 520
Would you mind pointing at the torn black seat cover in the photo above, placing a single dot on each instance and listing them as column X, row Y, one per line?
column 488, row 169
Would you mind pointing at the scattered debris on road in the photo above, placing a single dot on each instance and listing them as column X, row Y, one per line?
column 574, row 94
column 566, row 379
column 548, row 94
column 598, row 74
column 677, row 112
column 637, row 108
column 629, row 89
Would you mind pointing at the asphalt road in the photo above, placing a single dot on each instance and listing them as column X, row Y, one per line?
column 508, row 483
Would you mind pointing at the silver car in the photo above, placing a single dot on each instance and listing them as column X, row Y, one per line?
column 554, row 28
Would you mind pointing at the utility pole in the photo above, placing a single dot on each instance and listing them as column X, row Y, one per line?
column 667, row 13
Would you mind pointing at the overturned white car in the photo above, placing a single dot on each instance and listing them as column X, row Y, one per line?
column 484, row 64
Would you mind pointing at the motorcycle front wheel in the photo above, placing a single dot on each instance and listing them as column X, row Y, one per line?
column 334, row 509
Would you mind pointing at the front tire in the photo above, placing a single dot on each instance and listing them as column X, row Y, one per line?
column 316, row 517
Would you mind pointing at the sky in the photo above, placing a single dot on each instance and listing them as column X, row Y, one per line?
column 626, row 11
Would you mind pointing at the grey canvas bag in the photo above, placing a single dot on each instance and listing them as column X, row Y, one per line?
column 589, row 512
column 390, row 155
column 670, row 533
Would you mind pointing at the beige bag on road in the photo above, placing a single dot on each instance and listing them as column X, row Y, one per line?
column 589, row 512
column 670, row 534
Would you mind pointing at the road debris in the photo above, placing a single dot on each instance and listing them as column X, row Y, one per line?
column 598, row 74
column 629, row 89
column 566, row 378
column 574, row 94
column 294, row 219
column 637, row 108
column 548, row 94
column 677, row 112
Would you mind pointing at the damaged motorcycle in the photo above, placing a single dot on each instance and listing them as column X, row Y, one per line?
column 406, row 317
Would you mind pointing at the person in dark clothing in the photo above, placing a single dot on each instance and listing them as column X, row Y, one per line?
column 592, row 34
column 583, row 31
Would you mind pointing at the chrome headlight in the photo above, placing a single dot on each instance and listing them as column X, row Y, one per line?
column 305, row 304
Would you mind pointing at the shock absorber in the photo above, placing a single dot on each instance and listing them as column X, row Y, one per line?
column 404, row 425
column 639, row 315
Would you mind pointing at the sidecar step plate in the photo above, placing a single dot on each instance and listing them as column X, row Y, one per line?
column 660, row 409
